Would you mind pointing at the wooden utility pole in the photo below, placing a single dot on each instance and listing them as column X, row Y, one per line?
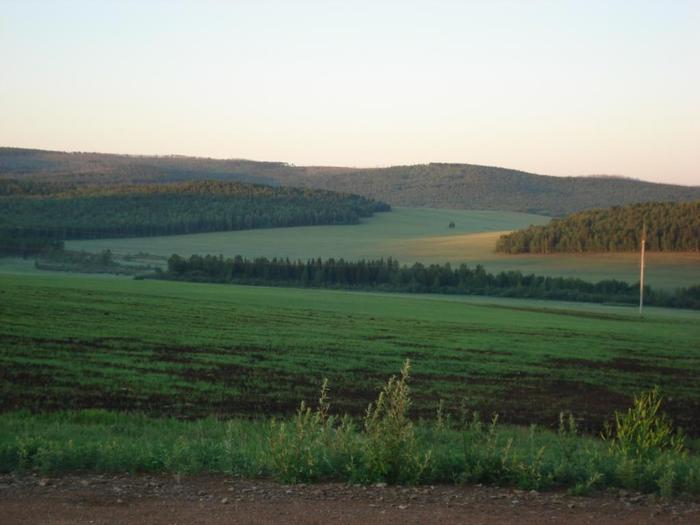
column 641, row 270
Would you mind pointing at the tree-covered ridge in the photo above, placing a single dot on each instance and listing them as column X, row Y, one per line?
column 669, row 227
column 109, row 169
column 456, row 186
column 389, row 275
column 164, row 209
column 467, row 186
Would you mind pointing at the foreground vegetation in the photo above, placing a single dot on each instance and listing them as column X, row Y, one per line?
column 388, row 275
column 642, row 452
column 192, row 350
column 669, row 227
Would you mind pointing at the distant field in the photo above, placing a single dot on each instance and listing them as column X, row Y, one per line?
column 417, row 234
column 663, row 270
column 194, row 349
column 383, row 235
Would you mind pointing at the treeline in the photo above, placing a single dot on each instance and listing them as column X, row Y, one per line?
column 26, row 246
column 104, row 169
column 33, row 211
column 389, row 275
column 670, row 226
column 85, row 262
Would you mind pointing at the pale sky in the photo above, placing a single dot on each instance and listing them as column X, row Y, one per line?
column 559, row 87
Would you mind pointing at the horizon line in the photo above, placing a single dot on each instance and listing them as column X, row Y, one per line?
column 336, row 166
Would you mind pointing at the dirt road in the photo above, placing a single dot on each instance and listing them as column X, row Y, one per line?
column 129, row 499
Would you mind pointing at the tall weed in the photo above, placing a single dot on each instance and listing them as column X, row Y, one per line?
column 391, row 451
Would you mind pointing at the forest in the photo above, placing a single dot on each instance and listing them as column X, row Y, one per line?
column 435, row 185
column 669, row 227
column 389, row 275
column 34, row 214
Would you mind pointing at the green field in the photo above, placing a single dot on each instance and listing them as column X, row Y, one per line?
column 415, row 234
column 195, row 349
column 382, row 235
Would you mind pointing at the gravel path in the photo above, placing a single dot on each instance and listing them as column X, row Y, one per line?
column 141, row 499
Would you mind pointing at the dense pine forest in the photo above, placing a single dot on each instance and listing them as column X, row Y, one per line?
column 34, row 214
column 456, row 186
column 388, row 275
column 669, row 227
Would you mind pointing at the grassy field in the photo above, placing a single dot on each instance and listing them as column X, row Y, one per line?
column 382, row 235
column 195, row 349
column 416, row 234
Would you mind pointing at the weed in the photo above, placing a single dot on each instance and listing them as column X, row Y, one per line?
column 314, row 445
column 391, row 452
column 298, row 448
column 643, row 431
column 584, row 488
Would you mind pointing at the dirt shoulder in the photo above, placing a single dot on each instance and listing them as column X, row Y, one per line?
column 141, row 499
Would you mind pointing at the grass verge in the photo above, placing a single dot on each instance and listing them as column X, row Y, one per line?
column 314, row 445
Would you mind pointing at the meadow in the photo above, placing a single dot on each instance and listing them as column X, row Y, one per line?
column 415, row 234
column 193, row 350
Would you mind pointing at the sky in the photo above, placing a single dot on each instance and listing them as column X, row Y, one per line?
column 551, row 87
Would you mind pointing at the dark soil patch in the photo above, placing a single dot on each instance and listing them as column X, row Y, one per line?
column 484, row 352
column 570, row 313
column 624, row 365
column 380, row 337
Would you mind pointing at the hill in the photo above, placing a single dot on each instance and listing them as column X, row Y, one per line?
column 455, row 186
column 670, row 227
column 490, row 188
column 70, row 169
column 39, row 211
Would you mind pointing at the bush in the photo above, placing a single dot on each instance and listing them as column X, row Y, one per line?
column 391, row 452
column 314, row 444
column 643, row 431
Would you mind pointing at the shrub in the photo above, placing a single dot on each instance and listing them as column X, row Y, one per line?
column 391, row 452
column 643, row 431
column 297, row 448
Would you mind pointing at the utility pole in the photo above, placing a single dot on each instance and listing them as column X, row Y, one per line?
column 641, row 270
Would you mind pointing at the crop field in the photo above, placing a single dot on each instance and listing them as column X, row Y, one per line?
column 191, row 350
column 416, row 234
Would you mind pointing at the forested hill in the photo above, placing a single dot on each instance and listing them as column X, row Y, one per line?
column 70, row 169
column 669, row 226
column 489, row 188
column 457, row 186
column 35, row 210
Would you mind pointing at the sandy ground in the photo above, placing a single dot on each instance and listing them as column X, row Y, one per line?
column 129, row 499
